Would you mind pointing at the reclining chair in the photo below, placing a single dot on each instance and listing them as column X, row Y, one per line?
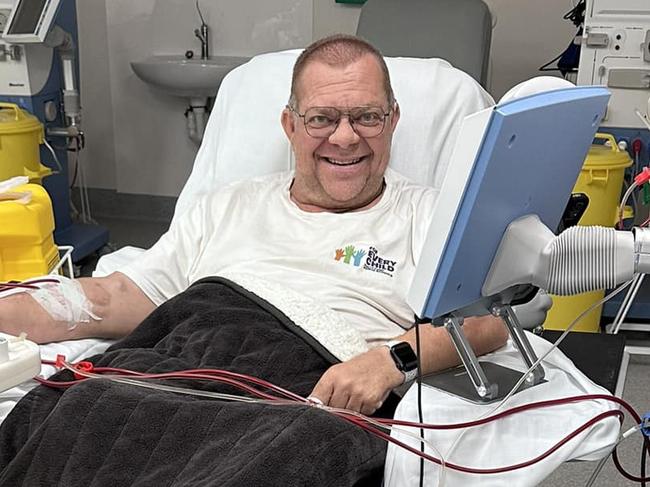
column 237, row 146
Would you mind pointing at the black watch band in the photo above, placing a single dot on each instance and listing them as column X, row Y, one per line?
column 405, row 359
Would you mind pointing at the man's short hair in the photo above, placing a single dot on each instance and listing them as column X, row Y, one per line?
column 338, row 50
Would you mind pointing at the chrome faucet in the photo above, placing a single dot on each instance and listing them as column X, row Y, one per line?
column 202, row 34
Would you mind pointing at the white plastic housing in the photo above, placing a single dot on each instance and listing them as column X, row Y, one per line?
column 579, row 260
column 20, row 360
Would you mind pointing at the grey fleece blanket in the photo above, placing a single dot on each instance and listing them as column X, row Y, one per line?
column 99, row 433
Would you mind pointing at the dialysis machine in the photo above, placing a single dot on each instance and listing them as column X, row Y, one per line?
column 39, row 73
column 615, row 52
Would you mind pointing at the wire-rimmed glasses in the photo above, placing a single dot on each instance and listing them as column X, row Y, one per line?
column 321, row 122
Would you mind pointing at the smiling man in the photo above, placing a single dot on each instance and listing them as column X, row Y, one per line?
column 340, row 119
column 343, row 231
column 342, row 138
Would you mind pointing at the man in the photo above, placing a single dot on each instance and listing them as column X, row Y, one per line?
column 342, row 230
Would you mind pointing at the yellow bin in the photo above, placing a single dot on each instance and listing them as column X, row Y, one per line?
column 27, row 248
column 601, row 179
column 21, row 134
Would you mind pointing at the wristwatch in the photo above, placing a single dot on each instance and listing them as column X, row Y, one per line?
column 404, row 358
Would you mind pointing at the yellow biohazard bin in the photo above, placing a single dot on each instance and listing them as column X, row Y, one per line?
column 21, row 134
column 601, row 179
column 27, row 248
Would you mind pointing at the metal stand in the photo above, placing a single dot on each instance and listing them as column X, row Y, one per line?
column 484, row 389
column 503, row 379
column 521, row 342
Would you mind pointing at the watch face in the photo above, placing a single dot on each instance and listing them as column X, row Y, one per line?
column 404, row 357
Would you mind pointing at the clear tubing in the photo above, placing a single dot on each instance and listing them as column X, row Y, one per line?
column 56, row 159
column 350, row 416
column 601, row 463
column 178, row 390
column 621, row 207
column 627, row 302
column 140, row 382
column 638, row 279
column 415, row 436
column 374, row 427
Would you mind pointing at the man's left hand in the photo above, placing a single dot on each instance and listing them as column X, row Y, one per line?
column 360, row 384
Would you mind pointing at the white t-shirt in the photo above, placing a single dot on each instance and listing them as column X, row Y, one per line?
column 359, row 264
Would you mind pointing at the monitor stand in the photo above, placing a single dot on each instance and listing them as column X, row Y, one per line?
column 492, row 386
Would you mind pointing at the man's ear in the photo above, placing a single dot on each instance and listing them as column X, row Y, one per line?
column 394, row 117
column 288, row 122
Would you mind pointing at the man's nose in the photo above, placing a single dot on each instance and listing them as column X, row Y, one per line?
column 344, row 135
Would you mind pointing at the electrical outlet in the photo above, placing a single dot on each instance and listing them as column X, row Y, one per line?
column 20, row 360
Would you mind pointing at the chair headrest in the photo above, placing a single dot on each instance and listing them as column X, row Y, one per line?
column 535, row 85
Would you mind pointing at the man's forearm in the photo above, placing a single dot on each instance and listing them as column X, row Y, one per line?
column 115, row 299
column 485, row 334
column 363, row 382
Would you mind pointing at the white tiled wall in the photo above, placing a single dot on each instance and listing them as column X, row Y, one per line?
column 136, row 139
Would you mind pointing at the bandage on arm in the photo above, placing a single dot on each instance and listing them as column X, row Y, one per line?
column 115, row 300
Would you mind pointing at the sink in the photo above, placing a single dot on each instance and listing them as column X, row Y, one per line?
column 193, row 78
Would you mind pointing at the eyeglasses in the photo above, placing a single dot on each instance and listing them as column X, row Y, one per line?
column 321, row 122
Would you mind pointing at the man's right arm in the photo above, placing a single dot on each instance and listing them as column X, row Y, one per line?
column 117, row 300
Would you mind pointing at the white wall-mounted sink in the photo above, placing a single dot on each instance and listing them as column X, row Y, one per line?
column 193, row 78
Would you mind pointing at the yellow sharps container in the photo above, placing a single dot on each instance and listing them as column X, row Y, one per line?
column 601, row 179
column 27, row 248
column 21, row 134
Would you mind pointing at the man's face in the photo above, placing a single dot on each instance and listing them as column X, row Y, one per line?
column 343, row 172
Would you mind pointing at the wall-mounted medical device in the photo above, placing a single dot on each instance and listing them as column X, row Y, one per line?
column 615, row 52
column 39, row 73
column 516, row 159
column 30, row 21
column 24, row 69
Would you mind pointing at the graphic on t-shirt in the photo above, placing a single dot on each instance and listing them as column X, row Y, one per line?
column 373, row 262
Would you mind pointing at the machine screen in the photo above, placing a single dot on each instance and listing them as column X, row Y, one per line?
column 27, row 16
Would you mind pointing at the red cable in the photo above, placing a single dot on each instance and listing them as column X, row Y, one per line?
column 248, row 378
column 228, row 378
column 13, row 285
column 486, row 471
column 4, row 286
column 515, row 410
column 199, row 374
column 624, row 472
column 56, row 384
column 42, row 281
column 216, row 375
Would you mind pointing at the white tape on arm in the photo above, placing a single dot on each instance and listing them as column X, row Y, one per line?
column 65, row 301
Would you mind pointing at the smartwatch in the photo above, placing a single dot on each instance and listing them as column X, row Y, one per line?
column 404, row 358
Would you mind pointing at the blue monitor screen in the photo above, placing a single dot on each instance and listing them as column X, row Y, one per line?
column 529, row 153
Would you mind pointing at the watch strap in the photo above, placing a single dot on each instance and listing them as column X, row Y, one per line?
column 410, row 375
